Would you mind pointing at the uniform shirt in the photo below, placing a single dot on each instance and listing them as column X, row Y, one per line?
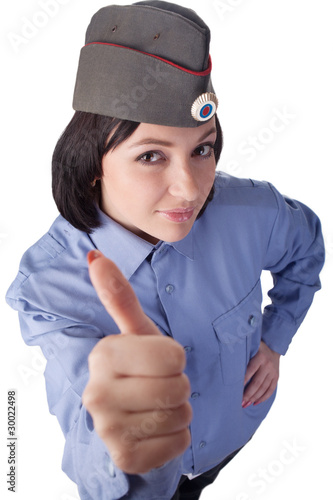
column 204, row 291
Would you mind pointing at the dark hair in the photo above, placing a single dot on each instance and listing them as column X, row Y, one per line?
column 77, row 162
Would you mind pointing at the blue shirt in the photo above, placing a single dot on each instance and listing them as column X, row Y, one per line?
column 204, row 291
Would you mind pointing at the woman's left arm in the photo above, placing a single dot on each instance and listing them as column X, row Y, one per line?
column 295, row 257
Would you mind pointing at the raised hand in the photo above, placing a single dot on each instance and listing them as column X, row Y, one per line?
column 137, row 393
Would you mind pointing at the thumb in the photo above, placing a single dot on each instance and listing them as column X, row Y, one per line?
column 118, row 297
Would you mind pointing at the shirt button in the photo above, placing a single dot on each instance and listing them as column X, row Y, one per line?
column 252, row 320
column 169, row 288
column 195, row 395
column 202, row 444
column 112, row 471
column 187, row 348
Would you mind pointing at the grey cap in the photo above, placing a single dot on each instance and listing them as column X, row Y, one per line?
column 147, row 62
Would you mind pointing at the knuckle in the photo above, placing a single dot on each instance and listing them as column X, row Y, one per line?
column 184, row 440
column 187, row 413
column 103, row 352
column 111, row 425
column 252, row 361
column 176, row 444
column 86, row 399
column 180, row 357
column 93, row 356
column 90, row 400
column 180, row 389
column 178, row 419
column 261, row 359
column 125, row 460
column 94, row 396
column 89, row 396
column 186, row 386
column 110, row 428
column 255, row 385
column 119, row 459
column 174, row 353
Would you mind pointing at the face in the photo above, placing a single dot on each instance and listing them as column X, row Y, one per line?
column 156, row 182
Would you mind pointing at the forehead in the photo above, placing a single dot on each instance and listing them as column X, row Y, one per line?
column 172, row 134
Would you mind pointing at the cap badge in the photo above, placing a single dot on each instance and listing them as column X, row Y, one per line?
column 204, row 107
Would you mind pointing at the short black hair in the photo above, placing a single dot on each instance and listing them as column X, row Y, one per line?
column 77, row 162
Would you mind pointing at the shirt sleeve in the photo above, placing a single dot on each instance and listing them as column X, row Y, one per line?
column 295, row 256
column 66, row 346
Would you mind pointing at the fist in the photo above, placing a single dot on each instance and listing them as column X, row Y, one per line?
column 137, row 393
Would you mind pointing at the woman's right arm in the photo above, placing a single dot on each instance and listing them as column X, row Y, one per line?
column 49, row 318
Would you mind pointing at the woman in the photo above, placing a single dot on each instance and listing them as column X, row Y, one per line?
column 161, row 408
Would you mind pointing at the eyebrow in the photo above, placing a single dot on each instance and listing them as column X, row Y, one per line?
column 160, row 142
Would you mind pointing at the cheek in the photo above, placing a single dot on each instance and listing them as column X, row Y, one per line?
column 132, row 189
column 116, row 180
column 206, row 180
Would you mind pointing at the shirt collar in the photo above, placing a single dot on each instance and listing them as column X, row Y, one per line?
column 185, row 246
column 126, row 249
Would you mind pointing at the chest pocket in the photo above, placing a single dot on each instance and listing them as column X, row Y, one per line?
column 239, row 332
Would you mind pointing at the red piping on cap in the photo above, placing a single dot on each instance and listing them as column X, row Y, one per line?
column 196, row 73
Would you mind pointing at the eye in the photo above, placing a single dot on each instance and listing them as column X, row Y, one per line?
column 149, row 157
column 205, row 151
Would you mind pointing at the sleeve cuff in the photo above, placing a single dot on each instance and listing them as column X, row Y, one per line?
column 277, row 333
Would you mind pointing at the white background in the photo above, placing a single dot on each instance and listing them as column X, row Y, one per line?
column 268, row 57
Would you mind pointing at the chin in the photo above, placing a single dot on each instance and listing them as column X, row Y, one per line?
column 174, row 236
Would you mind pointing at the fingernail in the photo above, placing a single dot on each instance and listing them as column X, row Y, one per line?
column 245, row 404
column 93, row 254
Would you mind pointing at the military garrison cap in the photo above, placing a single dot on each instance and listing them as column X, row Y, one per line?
column 147, row 62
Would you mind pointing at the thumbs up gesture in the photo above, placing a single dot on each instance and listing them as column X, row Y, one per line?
column 137, row 393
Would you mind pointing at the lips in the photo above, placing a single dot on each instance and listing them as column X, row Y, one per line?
column 178, row 214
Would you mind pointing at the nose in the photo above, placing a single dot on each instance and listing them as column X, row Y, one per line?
column 184, row 183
